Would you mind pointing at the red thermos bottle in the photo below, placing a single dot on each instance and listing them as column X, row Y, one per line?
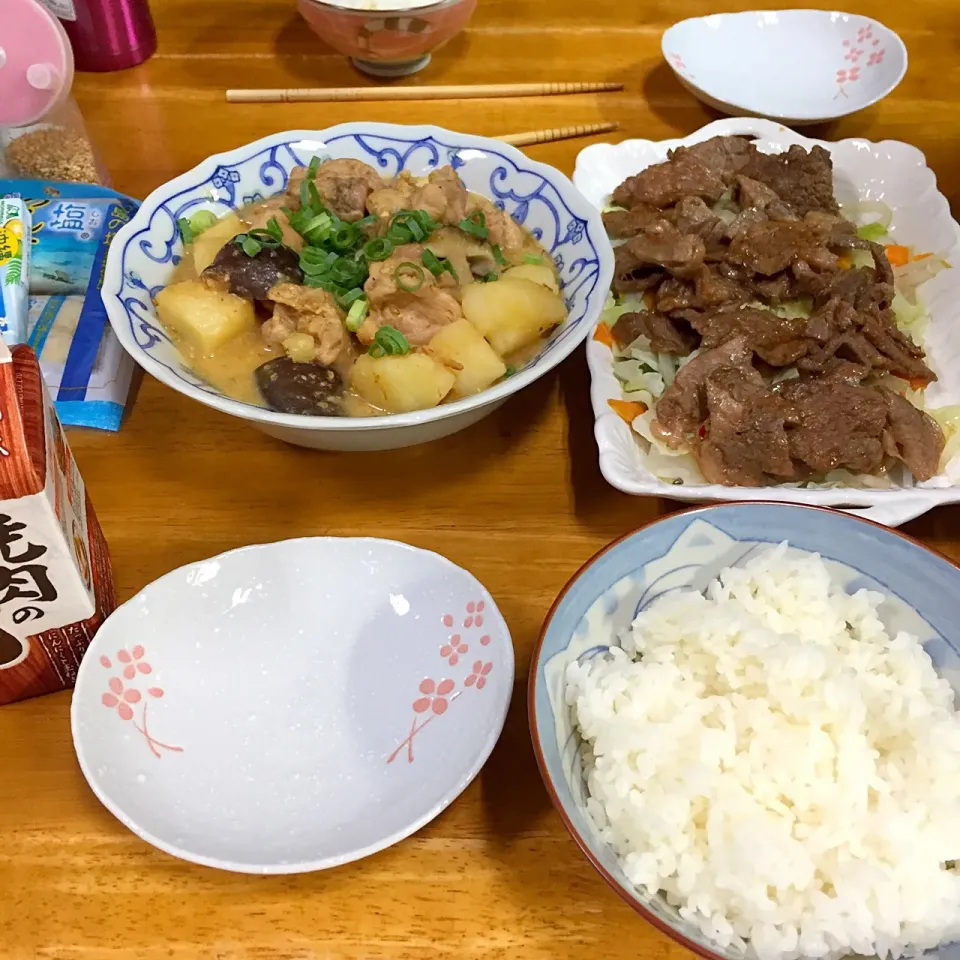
column 107, row 34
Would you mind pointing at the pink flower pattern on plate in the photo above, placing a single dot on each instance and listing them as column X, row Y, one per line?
column 123, row 697
column 453, row 648
column 435, row 700
column 437, row 696
column 855, row 49
column 479, row 675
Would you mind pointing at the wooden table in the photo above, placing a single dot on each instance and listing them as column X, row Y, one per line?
column 518, row 500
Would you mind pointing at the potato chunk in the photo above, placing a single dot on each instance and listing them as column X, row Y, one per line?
column 413, row 381
column 472, row 359
column 537, row 272
column 512, row 313
column 208, row 244
column 203, row 316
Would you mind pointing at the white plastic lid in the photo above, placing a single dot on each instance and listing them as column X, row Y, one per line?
column 36, row 63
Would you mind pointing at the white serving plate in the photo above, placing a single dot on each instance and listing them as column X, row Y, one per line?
column 797, row 66
column 889, row 171
column 293, row 706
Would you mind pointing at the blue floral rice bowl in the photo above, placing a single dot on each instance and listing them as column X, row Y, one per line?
column 538, row 197
column 688, row 550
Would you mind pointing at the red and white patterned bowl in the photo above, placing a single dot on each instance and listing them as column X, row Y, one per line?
column 383, row 40
column 796, row 66
column 293, row 706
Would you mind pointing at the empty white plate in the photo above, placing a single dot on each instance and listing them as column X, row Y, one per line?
column 293, row 706
column 796, row 66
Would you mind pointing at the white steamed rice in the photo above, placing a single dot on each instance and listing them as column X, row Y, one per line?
column 778, row 766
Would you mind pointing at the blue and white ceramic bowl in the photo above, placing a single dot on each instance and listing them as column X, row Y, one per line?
column 689, row 549
column 540, row 198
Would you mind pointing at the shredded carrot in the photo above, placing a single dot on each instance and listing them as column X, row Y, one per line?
column 603, row 334
column 845, row 261
column 922, row 256
column 897, row 255
column 627, row 410
column 919, row 383
column 648, row 300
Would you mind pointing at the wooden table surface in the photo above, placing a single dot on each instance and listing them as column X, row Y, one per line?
column 517, row 499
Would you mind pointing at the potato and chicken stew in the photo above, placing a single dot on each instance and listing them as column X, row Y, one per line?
column 355, row 295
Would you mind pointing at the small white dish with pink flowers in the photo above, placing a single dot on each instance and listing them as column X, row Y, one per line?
column 795, row 66
column 293, row 706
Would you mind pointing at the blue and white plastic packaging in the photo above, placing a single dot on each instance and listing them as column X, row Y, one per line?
column 85, row 368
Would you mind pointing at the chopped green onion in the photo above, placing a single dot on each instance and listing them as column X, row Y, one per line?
column 489, row 277
column 345, row 237
column 378, row 249
column 498, row 255
column 399, row 234
column 265, row 238
column 357, row 314
column 388, row 342
column 431, row 262
column 321, row 221
column 532, row 258
column 313, row 167
column 275, row 230
column 248, row 244
column 186, row 231
column 348, row 273
column 436, row 265
column 475, row 225
column 365, row 222
column 350, row 297
column 202, row 220
column 413, row 270
column 510, row 371
column 315, row 257
column 410, row 225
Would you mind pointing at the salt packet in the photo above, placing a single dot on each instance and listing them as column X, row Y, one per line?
column 14, row 269
column 56, row 585
column 88, row 371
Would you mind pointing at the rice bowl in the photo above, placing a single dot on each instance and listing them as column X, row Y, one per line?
column 631, row 824
column 779, row 766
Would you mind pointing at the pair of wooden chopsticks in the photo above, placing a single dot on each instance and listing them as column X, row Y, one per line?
column 557, row 133
column 463, row 92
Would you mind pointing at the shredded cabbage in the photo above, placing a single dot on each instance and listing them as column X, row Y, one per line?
column 877, row 232
column 793, row 309
column 861, row 258
column 869, row 213
column 911, row 317
column 638, row 375
column 613, row 311
column 949, row 420
column 910, row 276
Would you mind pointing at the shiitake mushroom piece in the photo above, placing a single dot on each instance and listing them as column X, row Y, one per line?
column 252, row 277
column 310, row 389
